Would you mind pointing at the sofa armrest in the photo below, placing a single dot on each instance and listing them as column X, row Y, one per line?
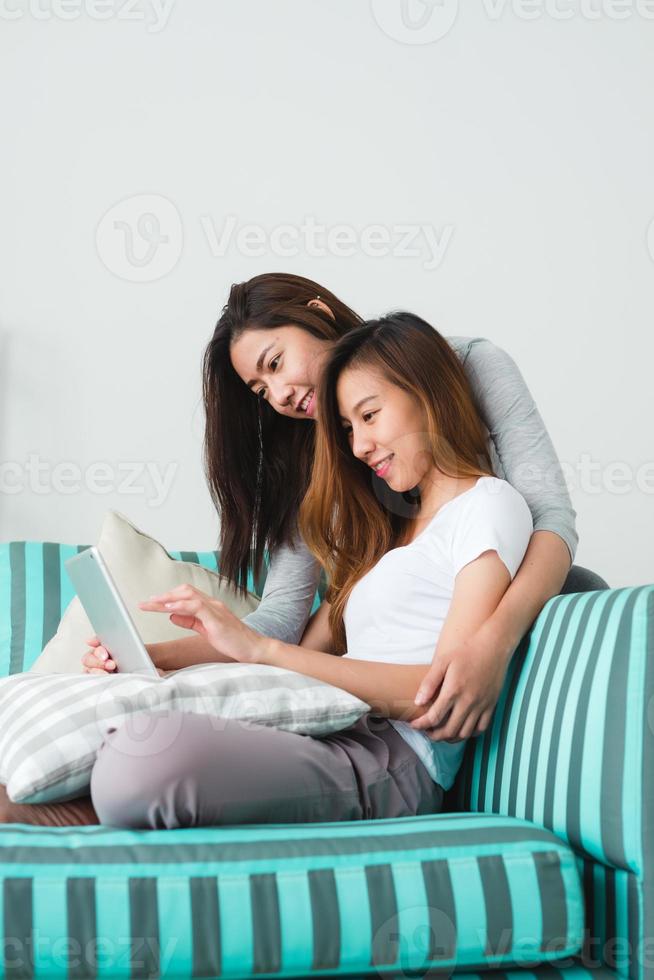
column 571, row 748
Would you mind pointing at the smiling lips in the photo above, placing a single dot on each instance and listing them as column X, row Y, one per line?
column 381, row 467
column 303, row 406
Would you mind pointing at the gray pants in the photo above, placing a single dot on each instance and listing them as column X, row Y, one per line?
column 188, row 770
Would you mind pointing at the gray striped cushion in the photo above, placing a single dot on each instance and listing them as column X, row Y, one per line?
column 571, row 747
column 464, row 891
column 52, row 725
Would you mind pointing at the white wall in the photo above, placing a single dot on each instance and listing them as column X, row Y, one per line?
column 524, row 145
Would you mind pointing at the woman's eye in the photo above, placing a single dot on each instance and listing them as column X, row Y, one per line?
column 261, row 393
column 273, row 363
column 368, row 415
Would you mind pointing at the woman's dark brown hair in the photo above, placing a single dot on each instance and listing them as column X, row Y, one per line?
column 258, row 462
column 349, row 517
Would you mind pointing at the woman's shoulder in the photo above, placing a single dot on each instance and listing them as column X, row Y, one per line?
column 485, row 363
column 490, row 502
column 494, row 516
column 494, row 486
column 494, row 497
column 463, row 345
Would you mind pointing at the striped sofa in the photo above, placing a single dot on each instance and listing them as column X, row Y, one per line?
column 541, row 864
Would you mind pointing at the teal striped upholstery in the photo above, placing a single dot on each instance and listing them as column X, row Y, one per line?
column 571, row 971
column 571, row 748
column 468, row 891
column 564, row 761
column 35, row 590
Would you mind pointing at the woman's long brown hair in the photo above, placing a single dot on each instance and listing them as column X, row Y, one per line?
column 349, row 517
column 258, row 462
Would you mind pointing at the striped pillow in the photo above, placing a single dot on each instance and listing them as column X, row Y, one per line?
column 53, row 724
column 358, row 898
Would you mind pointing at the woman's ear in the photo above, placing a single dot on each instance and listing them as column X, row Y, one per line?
column 318, row 303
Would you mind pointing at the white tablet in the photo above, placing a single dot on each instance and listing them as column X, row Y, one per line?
column 108, row 613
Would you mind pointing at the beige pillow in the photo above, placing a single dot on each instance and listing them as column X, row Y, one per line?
column 141, row 567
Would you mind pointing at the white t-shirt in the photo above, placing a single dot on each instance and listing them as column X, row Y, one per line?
column 395, row 613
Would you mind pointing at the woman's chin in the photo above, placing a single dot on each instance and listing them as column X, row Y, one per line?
column 397, row 485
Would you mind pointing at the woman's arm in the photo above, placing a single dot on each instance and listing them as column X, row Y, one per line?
column 521, row 447
column 285, row 606
column 185, row 652
column 477, row 668
column 390, row 689
column 174, row 654
column 540, row 576
column 318, row 634
column 291, row 583
column 523, row 454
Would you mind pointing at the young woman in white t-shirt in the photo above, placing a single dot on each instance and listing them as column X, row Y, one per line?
column 420, row 541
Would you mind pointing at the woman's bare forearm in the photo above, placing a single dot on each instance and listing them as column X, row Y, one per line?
column 389, row 689
column 541, row 575
column 188, row 650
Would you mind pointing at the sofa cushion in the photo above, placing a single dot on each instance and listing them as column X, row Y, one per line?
column 468, row 891
column 52, row 725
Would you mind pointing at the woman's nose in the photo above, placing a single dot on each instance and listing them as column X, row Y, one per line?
column 362, row 446
column 282, row 393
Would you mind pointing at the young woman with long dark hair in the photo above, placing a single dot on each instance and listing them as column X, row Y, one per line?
column 261, row 377
column 396, row 418
column 261, row 368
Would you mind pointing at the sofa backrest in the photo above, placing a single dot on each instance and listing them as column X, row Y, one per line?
column 571, row 748
column 35, row 591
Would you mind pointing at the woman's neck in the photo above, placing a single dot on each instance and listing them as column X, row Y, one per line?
column 435, row 492
column 438, row 490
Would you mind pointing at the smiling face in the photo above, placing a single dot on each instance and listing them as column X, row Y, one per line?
column 284, row 365
column 386, row 426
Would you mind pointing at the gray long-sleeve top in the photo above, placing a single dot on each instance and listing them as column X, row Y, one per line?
column 521, row 452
